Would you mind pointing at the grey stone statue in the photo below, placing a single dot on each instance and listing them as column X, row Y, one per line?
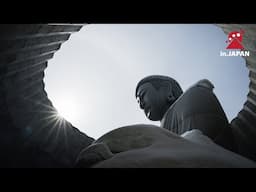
column 150, row 146
column 194, row 131
column 162, row 99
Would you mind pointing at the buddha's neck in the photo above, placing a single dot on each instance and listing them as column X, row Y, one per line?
column 163, row 120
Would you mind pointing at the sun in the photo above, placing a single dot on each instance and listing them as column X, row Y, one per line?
column 67, row 108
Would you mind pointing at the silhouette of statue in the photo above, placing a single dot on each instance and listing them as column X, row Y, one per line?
column 194, row 131
column 150, row 146
column 162, row 99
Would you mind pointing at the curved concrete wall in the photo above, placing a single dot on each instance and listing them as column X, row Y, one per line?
column 30, row 136
column 244, row 125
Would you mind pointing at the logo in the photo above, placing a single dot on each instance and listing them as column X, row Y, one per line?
column 235, row 42
column 235, row 39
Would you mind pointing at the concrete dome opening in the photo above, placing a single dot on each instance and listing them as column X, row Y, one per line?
column 91, row 80
column 30, row 137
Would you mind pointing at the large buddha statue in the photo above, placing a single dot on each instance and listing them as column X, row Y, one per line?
column 194, row 131
column 162, row 99
column 150, row 146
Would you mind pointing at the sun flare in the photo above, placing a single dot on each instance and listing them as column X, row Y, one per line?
column 67, row 108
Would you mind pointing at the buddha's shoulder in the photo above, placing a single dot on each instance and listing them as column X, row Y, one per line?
column 191, row 99
column 205, row 83
column 200, row 91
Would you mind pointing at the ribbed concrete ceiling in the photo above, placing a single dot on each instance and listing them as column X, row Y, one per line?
column 30, row 133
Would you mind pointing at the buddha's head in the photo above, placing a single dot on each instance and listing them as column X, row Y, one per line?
column 155, row 94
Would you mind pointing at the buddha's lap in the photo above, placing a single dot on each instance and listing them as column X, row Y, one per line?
column 152, row 146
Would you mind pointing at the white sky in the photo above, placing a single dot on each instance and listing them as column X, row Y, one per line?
column 91, row 80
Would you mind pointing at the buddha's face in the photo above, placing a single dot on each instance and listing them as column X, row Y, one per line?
column 154, row 102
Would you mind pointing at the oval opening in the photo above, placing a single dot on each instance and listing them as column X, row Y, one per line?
column 91, row 80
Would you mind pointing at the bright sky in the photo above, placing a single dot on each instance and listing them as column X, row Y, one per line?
column 91, row 80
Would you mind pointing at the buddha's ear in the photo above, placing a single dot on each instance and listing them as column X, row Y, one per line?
column 170, row 96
